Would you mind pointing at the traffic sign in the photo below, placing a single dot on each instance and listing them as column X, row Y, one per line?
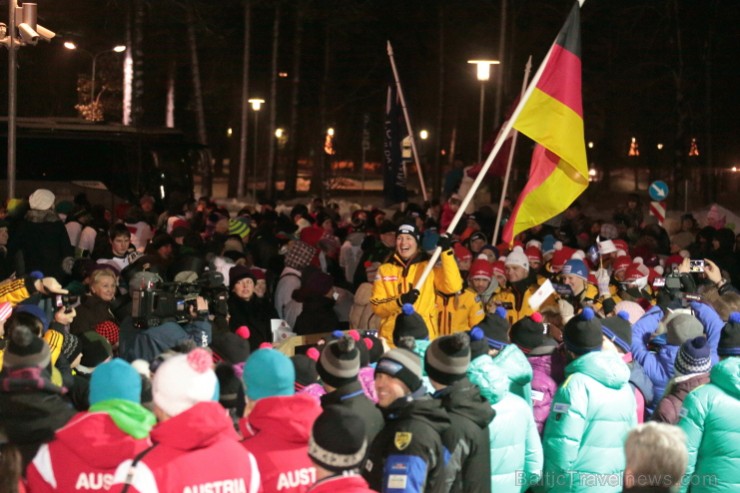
column 658, row 190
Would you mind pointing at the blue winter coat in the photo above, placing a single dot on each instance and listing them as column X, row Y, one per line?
column 591, row 415
column 710, row 419
column 516, row 450
column 658, row 365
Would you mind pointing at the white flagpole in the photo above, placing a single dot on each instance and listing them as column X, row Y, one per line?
column 496, row 148
column 527, row 69
column 408, row 122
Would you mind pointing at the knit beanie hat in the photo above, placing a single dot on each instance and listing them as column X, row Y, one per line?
column 239, row 226
column 26, row 350
column 533, row 253
column 409, row 324
column 548, row 244
column 462, row 254
column 582, row 334
column 71, row 347
column 729, row 339
column 498, row 268
column 517, row 257
column 481, row 268
column 362, row 346
column 299, row 255
column 409, row 229
column 576, row 267
column 95, row 349
column 337, row 440
column 693, row 357
column 305, row 368
column 560, row 256
column 636, row 270
column 41, row 200
column 681, row 327
column 315, row 283
column 339, row 362
column 618, row 330
column 109, row 330
column 34, row 310
column 478, row 343
column 447, row 358
column 239, row 272
column 374, row 348
column 621, row 263
column 528, row 332
column 478, row 235
column 634, row 310
column 495, row 327
column 183, row 381
column 402, row 364
column 268, row 373
column 115, row 379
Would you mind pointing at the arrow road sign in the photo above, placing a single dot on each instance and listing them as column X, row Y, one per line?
column 658, row 190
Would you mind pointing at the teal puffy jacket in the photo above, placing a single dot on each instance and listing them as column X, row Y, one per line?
column 512, row 361
column 710, row 419
column 591, row 415
column 516, row 450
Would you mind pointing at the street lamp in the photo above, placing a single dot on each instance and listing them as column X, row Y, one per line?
column 116, row 49
column 256, row 106
column 483, row 73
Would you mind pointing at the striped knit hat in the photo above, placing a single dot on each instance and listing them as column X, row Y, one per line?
column 339, row 362
column 402, row 364
column 447, row 358
column 693, row 357
column 239, row 226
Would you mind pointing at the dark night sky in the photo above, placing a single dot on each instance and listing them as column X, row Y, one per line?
column 630, row 60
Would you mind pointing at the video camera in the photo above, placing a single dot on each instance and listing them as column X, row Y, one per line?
column 66, row 301
column 154, row 303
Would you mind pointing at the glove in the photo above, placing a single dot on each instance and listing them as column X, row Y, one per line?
column 410, row 297
column 566, row 310
column 602, row 279
column 49, row 285
column 444, row 242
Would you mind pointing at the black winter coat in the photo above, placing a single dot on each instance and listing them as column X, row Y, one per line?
column 409, row 447
column 90, row 313
column 44, row 242
column 256, row 315
column 352, row 397
column 467, row 439
column 316, row 317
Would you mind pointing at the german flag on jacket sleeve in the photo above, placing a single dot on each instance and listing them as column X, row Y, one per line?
column 552, row 116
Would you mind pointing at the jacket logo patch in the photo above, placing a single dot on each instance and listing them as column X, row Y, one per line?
column 560, row 408
column 390, row 278
column 402, row 439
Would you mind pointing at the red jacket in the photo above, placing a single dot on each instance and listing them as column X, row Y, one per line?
column 197, row 450
column 83, row 455
column 343, row 484
column 277, row 432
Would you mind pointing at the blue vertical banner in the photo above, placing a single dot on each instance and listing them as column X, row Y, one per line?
column 394, row 176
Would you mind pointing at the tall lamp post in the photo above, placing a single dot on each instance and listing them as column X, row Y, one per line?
column 483, row 73
column 116, row 49
column 256, row 106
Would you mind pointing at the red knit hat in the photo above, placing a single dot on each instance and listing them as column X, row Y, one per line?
column 621, row 245
column 312, row 235
column 560, row 257
column 621, row 263
column 533, row 253
column 636, row 271
column 462, row 254
column 498, row 268
column 481, row 268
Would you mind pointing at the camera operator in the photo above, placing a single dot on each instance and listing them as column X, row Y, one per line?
column 146, row 334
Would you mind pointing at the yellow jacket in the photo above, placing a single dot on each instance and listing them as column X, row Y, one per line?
column 516, row 304
column 458, row 312
column 14, row 291
column 397, row 277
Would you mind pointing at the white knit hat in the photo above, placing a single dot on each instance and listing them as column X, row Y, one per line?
column 183, row 381
column 41, row 200
column 517, row 257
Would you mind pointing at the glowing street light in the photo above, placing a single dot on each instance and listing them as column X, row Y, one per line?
column 116, row 49
column 483, row 73
column 279, row 132
column 256, row 106
column 660, row 146
column 423, row 135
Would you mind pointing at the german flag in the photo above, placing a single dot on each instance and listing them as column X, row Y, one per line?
column 552, row 116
